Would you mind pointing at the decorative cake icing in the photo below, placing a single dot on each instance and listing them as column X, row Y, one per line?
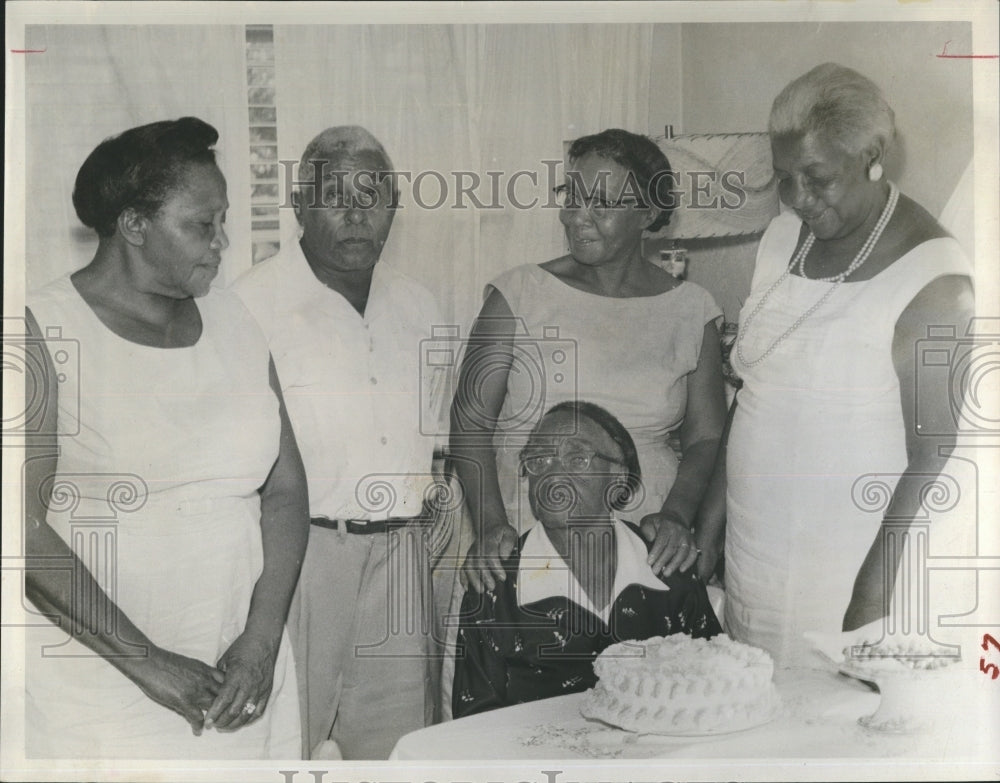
column 679, row 685
column 912, row 654
column 918, row 682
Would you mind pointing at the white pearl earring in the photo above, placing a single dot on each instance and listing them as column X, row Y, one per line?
column 875, row 172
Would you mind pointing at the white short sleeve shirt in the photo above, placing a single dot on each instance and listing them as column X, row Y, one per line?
column 366, row 412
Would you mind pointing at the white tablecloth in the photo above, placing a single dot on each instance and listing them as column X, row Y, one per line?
column 818, row 719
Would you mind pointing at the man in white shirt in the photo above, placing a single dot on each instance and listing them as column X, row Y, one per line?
column 345, row 329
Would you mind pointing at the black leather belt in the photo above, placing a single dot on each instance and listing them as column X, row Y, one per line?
column 366, row 526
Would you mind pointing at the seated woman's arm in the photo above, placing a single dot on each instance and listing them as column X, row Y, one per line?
column 479, row 397
column 284, row 523
column 480, row 682
column 59, row 584
column 948, row 301
column 670, row 529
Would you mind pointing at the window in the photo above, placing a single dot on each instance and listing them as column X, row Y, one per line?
column 263, row 119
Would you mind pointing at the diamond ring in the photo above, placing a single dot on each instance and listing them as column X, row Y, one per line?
column 249, row 708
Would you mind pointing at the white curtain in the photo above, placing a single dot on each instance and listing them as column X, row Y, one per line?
column 464, row 98
column 442, row 98
column 96, row 81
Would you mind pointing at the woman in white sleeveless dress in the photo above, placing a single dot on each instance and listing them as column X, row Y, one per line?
column 846, row 284
column 600, row 324
column 176, row 498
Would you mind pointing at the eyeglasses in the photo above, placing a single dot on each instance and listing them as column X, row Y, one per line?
column 570, row 461
column 568, row 197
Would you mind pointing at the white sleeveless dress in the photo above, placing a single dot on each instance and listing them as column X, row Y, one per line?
column 630, row 356
column 161, row 455
column 820, row 412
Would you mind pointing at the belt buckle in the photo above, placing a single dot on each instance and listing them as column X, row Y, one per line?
column 363, row 527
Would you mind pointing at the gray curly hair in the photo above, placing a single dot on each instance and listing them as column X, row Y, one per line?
column 839, row 102
column 346, row 142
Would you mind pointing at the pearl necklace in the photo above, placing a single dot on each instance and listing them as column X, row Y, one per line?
column 799, row 262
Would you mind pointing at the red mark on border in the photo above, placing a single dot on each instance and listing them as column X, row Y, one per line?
column 989, row 668
column 28, row 51
column 945, row 56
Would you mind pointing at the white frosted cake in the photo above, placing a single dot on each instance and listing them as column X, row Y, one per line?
column 679, row 685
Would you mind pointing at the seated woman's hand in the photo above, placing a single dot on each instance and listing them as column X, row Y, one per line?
column 248, row 666
column 483, row 565
column 184, row 685
column 673, row 546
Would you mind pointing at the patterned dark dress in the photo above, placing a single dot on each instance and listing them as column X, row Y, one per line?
column 512, row 651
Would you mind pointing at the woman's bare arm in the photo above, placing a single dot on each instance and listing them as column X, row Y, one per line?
column 479, row 397
column 670, row 530
column 946, row 302
column 70, row 595
column 284, row 525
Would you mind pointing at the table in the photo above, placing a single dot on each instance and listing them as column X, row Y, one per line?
column 818, row 720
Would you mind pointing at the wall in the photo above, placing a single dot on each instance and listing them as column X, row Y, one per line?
column 732, row 72
column 94, row 81
column 666, row 84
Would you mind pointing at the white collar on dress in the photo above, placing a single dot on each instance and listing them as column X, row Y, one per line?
column 542, row 573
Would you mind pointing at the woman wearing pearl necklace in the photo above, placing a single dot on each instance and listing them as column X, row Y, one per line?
column 847, row 281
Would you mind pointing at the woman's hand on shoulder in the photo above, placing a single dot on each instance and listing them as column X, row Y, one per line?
column 248, row 667
column 185, row 685
column 483, row 566
column 673, row 547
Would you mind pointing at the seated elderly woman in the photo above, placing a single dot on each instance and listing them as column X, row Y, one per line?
column 576, row 583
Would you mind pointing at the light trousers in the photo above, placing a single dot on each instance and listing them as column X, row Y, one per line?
column 360, row 624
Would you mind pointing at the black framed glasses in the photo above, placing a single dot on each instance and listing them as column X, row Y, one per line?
column 569, row 460
column 569, row 197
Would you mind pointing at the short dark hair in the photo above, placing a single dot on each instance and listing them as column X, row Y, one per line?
column 138, row 169
column 643, row 158
column 617, row 432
